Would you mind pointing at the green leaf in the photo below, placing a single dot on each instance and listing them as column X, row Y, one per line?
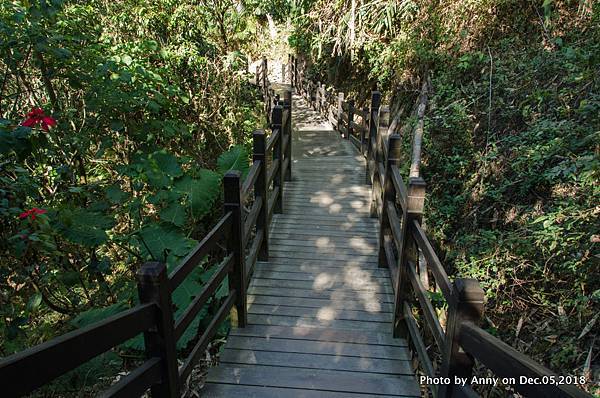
column 182, row 297
column 167, row 163
column 84, row 227
column 234, row 159
column 157, row 240
column 201, row 193
column 115, row 195
column 97, row 314
column 174, row 213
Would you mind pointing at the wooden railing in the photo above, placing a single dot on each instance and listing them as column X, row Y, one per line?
column 244, row 236
column 416, row 271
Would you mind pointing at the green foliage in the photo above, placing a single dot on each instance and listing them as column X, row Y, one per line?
column 145, row 97
column 234, row 159
column 510, row 150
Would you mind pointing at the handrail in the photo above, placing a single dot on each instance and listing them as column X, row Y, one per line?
column 400, row 207
column 25, row 371
column 28, row 370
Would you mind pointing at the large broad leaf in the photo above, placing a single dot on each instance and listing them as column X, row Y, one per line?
column 201, row 193
column 174, row 213
column 158, row 241
column 234, row 159
column 97, row 314
column 167, row 163
column 115, row 195
column 182, row 297
column 84, row 227
column 160, row 168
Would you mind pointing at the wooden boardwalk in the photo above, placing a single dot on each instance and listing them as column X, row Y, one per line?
column 320, row 310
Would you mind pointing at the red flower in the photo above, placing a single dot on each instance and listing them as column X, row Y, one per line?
column 32, row 213
column 37, row 116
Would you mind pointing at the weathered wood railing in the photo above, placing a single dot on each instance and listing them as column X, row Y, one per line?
column 417, row 272
column 28, row 370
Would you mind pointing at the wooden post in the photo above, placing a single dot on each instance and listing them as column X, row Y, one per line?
column 316, row 95
column 389, row 193
column 373, row 112
column 295, row 75
column 153, row 287
column 365, row 124
column 466, row 306
column 340, row 111
column 276, row 124
column 287, row 106
column 260, row 192
column 323, row 96
column 264, row 78
column 237, row 277
column 350, row 118
column 414, row 205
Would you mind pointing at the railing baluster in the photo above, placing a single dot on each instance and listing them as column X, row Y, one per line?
column 350, row 118
column 260, row 192
column 414, row 206
column 389, row 193
column 340, row 112
column 466, row 305
column 237, row 277
column 287, row 106
column 153, row 287
column 365, row 124
column 276, row 124
column 373, row 112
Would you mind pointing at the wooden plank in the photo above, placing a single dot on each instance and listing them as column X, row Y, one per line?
column 346, row 229
column 433, row 262
column 321, row 303
column 209, row 288
column 296, row 257
column 340, row 294
column 198, row 350
column 137, row 382
column 295, row 233
column 321, row 242
column 322, row 285
column 335, row 273
column 311, row 379
column 323, row 313
column 323, row 221
column 253, row 255
column 429, row 313
column 319, row 334
column 280, row 320
column 417, row 343
column 200, row 251
column 292, row 252
column 250, row 179
column 325, row 262
column 250, row 222
column 305, row 346
column 218, row 390
column 316, row 361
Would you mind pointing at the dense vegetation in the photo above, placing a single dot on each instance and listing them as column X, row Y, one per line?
column 117, row 120
column 512, row 142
